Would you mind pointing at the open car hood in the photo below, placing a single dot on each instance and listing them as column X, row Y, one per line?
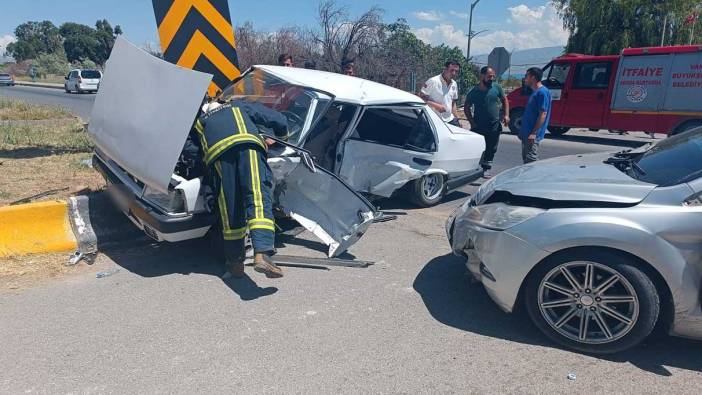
column 144, row 111
column 141, row 119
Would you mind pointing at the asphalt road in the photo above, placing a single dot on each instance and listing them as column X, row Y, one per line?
column 411, row 323
column 79, row 104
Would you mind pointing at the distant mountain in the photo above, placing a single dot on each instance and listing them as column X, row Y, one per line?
column 522, row 60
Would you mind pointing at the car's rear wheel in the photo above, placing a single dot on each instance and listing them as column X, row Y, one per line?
column 596, row 302
column 515, row 120
column 558, row 130
column 428, row 190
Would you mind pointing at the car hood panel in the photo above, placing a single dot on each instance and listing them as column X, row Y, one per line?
column 144, row 112
column 569, row 178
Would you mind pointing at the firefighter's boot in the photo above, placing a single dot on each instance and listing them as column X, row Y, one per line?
column 264, row 264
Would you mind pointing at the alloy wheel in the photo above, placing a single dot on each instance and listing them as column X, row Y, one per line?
column 588, row 302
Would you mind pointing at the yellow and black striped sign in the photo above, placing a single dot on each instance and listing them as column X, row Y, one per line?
column 198, row 34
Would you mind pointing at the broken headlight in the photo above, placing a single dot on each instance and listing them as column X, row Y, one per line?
column 499, row 216
column 172, row 203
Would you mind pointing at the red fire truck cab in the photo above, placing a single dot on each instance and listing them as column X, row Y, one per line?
column 656, row 89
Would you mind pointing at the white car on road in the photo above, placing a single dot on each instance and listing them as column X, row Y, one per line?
column 80, row 81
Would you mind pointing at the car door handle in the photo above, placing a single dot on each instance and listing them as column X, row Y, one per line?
column 420, row 161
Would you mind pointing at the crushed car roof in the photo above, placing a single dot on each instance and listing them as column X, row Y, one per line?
column 344, row 88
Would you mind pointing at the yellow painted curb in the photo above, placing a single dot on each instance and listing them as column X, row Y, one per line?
column 35, row 228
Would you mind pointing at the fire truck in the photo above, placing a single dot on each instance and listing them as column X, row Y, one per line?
column 654, row 90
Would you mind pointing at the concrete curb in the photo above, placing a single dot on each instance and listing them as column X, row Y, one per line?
column 81, row 224
column 39, row 84
column 36, row 228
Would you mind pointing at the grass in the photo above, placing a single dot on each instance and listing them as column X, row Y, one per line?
column 43, row 148
column 15, row 110
column 61, row 135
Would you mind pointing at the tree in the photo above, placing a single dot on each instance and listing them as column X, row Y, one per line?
column 34, row 38
column 342, row 39
column 79, row 41
column 84, row 42
column 53, row 63
column 105, row 36
column 600, row 27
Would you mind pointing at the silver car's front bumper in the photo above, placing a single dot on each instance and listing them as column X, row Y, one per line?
column 498, row 259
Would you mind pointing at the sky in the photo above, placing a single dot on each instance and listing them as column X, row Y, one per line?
column 515, row 25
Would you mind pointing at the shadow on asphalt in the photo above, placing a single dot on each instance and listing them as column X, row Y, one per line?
column 599, row 139
column 400, row 203
column 445, row 287
column 149, row 260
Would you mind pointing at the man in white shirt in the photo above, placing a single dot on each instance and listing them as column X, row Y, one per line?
column 441, row 92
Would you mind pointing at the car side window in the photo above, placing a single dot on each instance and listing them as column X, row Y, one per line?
column 557, row 74
column 403, row 128
column 592, row 75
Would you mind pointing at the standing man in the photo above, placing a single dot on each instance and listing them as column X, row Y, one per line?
column 441, row 92
column 536, row 115
column 347, row 68
column 285, row 60
column 486, row 99
column 235, row 154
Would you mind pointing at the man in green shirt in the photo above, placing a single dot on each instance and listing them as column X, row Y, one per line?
column 486, row 99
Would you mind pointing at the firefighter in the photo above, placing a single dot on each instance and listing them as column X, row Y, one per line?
column 235, row 154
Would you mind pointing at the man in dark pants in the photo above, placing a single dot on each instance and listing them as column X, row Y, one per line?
column 485, row 98
column 235, row 155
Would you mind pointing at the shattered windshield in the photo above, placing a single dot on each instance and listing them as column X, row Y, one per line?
column 300, row 105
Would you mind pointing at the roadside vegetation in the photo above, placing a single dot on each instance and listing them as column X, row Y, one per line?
column 43, row 149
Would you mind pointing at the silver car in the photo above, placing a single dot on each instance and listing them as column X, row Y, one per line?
column 600, row 249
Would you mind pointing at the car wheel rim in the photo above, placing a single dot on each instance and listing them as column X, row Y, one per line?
column 588, row 302
column 432, row 185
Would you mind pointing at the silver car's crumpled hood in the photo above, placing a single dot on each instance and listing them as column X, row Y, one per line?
column 569, row 178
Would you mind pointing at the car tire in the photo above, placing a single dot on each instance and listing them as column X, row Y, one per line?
column 558, row 130
column 428, row 190
column 515, row 120
column 66, row 89
column 638, row 307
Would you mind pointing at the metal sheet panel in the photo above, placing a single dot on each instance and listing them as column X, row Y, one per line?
column 685, row 88
column 667, row 82
column 641, row 83
column 144, row 111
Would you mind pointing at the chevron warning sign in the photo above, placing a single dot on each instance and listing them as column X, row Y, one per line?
column 198, row 34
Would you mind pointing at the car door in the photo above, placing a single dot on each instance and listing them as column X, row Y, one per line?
column 555, row 78
column 387, row 147
column 587, row 97
column 323, row 141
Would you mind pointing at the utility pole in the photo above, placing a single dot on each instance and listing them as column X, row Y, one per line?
column 665, row 24
column 470, row 27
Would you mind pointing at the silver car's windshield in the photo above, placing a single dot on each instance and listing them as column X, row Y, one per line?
column 672, row 161
column 300, row 105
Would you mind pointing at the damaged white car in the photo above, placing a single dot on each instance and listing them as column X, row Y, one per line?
column 378, row 139
column 358, row 136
